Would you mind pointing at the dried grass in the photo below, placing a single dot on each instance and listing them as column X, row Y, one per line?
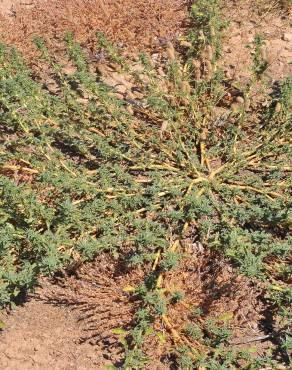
column 133, row 24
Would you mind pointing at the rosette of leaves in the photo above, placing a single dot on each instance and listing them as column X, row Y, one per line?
column 82, row 173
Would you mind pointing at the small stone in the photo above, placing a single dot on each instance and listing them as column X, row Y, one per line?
column 186, row 44
column 278, row 107
column 240, row 100
column 287, row 36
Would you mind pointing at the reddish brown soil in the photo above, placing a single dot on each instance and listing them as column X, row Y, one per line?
column 69, row 324
column 44, row 336
column 137, row 24
column 248, row 18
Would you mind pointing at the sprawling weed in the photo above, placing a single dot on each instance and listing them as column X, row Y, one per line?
column 82, row 173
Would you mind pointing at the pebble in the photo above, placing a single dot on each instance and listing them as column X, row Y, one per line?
column 278, row 107
column 186, row 44
column 240, row 100
column 287, row 36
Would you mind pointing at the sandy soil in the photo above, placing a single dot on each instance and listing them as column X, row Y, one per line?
column 69, row 324
column 246, row 20
column 7, row 7
column 43, row 336
column 132, row 24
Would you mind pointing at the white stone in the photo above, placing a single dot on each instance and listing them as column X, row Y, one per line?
column 287, row 36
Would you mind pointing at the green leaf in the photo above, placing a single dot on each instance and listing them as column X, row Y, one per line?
column 119, row 331
column 2, row 325
column 227, row 316
column 161, row 336
column 110, row 367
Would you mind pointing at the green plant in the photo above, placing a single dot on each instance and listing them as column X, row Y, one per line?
column 217, row 333
column 260, row 63
column 95, row 173
column 194, row 331
column 177, row 296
